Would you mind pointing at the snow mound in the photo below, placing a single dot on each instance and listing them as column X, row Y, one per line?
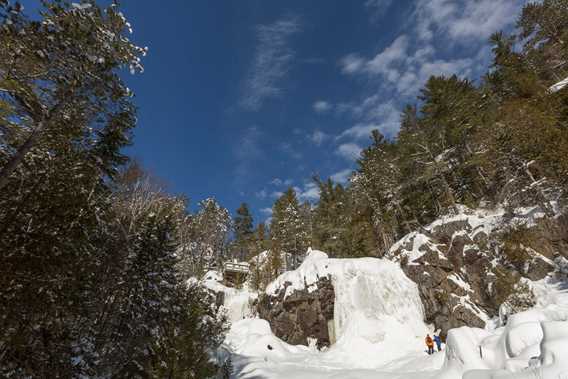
column 378, row 314
column 253, row 338
column 531, row 345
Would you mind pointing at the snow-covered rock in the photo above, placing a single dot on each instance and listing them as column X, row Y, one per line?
column 462, row 266
column 377, row 308
column 238, row 303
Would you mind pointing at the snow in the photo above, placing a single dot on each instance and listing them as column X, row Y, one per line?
column 380, row 331
column 237, row 302
column 558, row 86
column 529, row 346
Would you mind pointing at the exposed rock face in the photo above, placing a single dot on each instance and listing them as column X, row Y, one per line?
column 301, row 314
column 461, row 269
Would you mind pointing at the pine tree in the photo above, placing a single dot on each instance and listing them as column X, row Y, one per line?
column 243, row 225
column 289, row 231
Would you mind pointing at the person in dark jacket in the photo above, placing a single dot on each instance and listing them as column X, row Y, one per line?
column 430, row 344
column 438, row 341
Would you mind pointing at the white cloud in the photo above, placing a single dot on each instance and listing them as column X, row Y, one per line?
column 350, row 151
column 352, row 63
column 318, row 137
column 375, row 113
column 342, row 176
column 247, row 151
column 360, row 131
column 384, row 61
column 276, row 194
column 464, row 20
column 433, row 27
column 310, row 192
column 266, row 211
column 272, row 62
column 290, row 150
column 407, row 70
column 378, row 7
column 322, row 106
column 262, row 194
column 277, row 182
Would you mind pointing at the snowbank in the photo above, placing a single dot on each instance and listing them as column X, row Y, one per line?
column 378, row 314
column 253, row 338
column 531, row 345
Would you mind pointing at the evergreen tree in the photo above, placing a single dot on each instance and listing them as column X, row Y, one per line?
column 243, row 225
column 289, row 231
column 88, row 286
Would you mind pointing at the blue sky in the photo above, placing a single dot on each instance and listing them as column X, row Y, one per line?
column 240, row 99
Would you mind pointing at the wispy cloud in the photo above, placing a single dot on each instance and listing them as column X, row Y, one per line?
column 272, row 62
column 350, row 151
column 421, row 51
column 342, row 176
column 310, row 192
column 277, row 182
column 318, row 137
column 373, row 112
column 266, row 211
column 352, row 63
column 406, row 68
column 246, row 152
column 463, row 21
column 276, row 194
column 322, row 106
column 262, row 194
column 287, row 148
column 378, row 8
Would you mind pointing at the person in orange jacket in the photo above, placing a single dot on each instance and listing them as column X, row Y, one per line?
column 430, row 344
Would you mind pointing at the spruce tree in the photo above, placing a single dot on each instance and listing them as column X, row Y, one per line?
column 243, row 225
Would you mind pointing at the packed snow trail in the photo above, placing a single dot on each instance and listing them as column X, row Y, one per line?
column 252, row 359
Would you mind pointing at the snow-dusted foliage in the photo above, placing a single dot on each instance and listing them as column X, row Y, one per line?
column 204, row 238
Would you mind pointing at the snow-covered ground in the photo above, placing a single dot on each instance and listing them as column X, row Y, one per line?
column 380, row 332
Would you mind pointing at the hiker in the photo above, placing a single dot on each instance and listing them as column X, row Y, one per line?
column 438, row 341
column 430, row 344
